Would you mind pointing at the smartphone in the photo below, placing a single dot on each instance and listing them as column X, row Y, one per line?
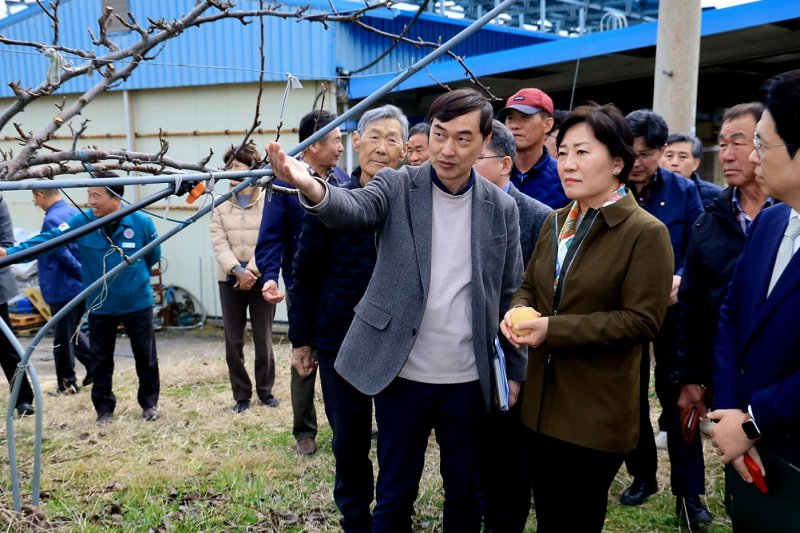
column 689, row 424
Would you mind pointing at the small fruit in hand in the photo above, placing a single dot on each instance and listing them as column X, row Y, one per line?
column 522, row 314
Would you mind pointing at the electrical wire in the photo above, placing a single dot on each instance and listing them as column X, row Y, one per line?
column 221, row 68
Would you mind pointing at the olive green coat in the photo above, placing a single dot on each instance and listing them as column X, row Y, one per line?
column 583, row 382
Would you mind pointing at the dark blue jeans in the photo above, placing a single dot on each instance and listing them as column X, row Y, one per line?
column 103, row 338
column 349, row 413
column 406, row 412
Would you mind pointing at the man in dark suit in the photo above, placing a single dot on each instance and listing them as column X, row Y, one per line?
column 673, row 200
column 423, row 332
column 757, row 360
column 505, row 482
column 714, row 247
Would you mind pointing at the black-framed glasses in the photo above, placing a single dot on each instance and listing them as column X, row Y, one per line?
column 491, row 157
column 763, row 147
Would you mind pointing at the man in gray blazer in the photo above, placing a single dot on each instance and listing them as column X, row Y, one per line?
column 421, row 341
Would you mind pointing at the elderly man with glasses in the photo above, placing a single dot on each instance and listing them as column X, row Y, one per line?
column 675, row 201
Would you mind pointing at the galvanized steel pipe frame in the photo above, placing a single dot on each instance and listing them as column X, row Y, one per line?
column 254, row 177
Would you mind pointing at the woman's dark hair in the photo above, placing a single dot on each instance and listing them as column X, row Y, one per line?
column 248, row 155
column 460, row 102
column 782, row 99
column 609, row 127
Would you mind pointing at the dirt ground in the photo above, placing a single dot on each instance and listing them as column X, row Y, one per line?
column 173, row 346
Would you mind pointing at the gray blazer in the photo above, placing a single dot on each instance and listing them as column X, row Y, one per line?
column 8, row 285
column 398, row 205
column 531, row 217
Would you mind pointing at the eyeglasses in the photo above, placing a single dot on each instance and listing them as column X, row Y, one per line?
column 491, row 157
column 763, row 147
column 646, row 156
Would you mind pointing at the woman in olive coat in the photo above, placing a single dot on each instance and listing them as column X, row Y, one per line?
column 600, row 277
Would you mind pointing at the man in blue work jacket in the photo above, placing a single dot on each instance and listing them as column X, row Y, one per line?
column 60, row 281
column 126, row 299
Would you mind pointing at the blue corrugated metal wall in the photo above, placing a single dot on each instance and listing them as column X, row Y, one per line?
column 226, row 52
column 303, row 48
column 358, row 47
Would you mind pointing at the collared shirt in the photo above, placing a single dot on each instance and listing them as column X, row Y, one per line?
column 541, row 182
column 795, row 214
column 436, row 181
column 744, row 219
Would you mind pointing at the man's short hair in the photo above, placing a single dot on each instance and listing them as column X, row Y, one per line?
column 781, row 95
column 456, row 103
column 754, row 109
column 697, row 146
column 313, row 122
column 609, row 127
column 558, row 117
column 383, row 112
column 248, row 155
column 423, row 128
column 649, row 125
column 47, row 192
column 502, row 141
column 118, row 190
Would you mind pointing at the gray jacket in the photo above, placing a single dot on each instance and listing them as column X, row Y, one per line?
column 531, row 217
column 398, row 205
column 8, row 285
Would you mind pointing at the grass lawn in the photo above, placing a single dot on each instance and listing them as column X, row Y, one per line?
column 203, row 468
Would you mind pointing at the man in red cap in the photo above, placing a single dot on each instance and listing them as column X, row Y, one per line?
column 529, row 116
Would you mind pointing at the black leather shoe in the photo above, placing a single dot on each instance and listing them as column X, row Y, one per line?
column 690, row 510
column 25, row 409
column 88, row 380
column 638, row 492
column 241, row 406
column 270, row 401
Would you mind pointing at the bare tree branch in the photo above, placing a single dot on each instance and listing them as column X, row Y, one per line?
column 76, row 134
column 257, row 117
column 115, row 66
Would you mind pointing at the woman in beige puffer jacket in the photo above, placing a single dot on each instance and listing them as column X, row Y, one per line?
column 234, row 233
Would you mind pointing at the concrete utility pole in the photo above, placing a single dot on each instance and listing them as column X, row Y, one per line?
column 677, row 62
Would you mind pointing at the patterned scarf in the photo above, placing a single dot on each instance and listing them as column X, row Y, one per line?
column 570, row 228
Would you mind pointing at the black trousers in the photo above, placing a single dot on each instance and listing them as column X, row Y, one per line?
column 687, row 469
column 304, row 413
column 349, row 413
column 406, row 412
column 67, row 346
column 103, row 335
column 642, row 462
column 235, row 304
column 570, row 484
column 505, row 480
column 9, row 360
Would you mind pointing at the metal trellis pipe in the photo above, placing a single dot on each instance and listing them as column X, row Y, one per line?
column 252, row 177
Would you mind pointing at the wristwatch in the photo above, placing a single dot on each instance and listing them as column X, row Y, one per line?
column 750, row 428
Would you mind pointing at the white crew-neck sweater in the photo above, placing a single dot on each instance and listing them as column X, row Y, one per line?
column 443, row 351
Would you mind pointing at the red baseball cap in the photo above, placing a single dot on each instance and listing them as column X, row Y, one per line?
column 528, row 101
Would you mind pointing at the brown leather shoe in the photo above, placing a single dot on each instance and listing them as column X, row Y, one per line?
column 307, row 446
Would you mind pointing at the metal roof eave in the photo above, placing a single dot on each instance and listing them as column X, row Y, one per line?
column 597, row 44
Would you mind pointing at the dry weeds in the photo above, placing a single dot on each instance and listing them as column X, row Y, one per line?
column 203, row 468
